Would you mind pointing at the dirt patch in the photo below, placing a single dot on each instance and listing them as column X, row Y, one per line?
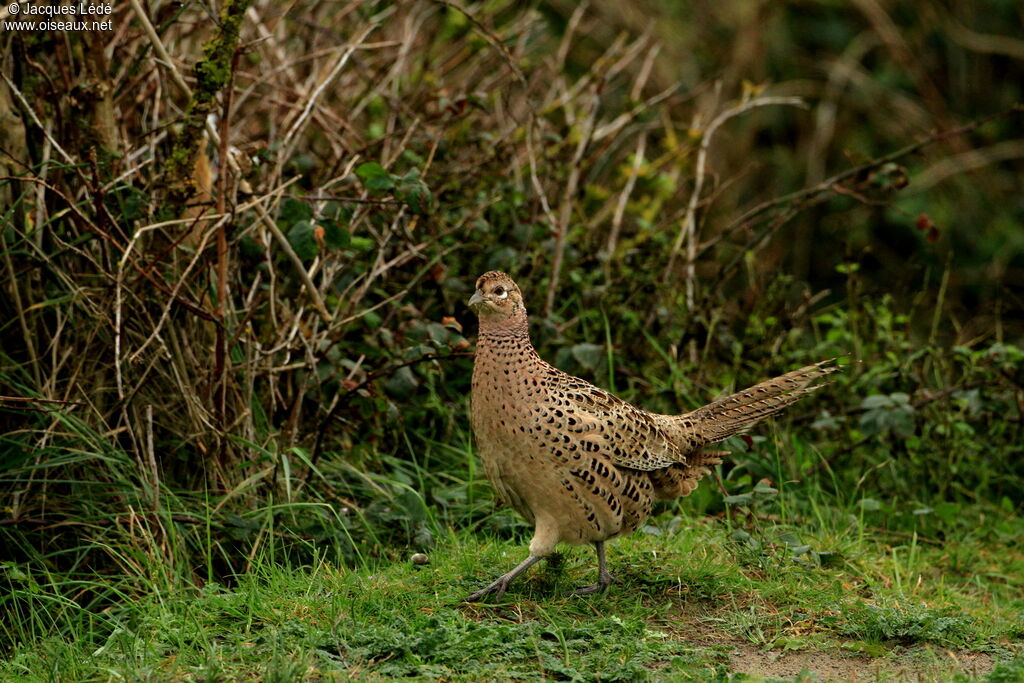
column 836, row 666
column 694, row 623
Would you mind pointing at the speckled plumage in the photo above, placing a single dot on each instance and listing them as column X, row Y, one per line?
column 580, row 464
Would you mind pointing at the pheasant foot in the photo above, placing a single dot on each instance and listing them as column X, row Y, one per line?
column 501, row 584
column 604, row 578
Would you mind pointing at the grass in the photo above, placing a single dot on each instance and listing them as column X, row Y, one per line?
column 696, row 598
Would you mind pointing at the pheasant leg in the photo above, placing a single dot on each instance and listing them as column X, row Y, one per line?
column 501, row 584
column 604, row 579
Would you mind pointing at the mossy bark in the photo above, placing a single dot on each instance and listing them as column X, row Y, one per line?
column 213, row 73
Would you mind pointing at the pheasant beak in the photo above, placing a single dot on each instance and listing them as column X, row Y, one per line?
column 476, row 299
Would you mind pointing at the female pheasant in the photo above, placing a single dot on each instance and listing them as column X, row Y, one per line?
column 580, row 464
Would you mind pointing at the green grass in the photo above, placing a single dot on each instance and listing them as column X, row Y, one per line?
column 695, row 599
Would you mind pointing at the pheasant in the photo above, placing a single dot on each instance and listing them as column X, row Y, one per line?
column 580, row 464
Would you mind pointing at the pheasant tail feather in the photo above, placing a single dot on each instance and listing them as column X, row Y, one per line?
column 733, row 414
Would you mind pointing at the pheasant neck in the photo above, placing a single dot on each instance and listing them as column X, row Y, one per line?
column 514, row 327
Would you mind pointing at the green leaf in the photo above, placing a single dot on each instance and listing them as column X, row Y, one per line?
column 948, row 512
column 870, row 649
column 374, row 177
column 740, row 499
column 875, row 401
column 438, row 333
column 335, row 236
column 418, row 198
column 787, row 644
column 249, row 248
column 789, row 539
column 303, row 240
column 418, row 351
column 743, row 538
column 294, row 210
column 402, row 383
column 414, row 191
column 829, row 558
column 588, row 355
column 13, row 572
column 888, row 413
column 362, row 243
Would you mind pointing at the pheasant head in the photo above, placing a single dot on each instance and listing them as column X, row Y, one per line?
column 498, row 302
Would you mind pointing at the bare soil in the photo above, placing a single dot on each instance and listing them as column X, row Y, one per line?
column 939, row 665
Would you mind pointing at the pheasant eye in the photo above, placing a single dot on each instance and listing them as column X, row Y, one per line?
column 500, row 292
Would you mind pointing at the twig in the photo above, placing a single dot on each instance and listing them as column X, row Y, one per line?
column 985, row 43
column 154, row 471
column 627, row 190
column 20, row 310
column 688, row 231
column 371, row 377
column 158, row 47
column 72, row 207
column 296, row 262
column 565, row 212
column 289, row 138
column 534, row 178
column 220, row 385
column 170, row 302
column 33, row 399
column 489, row 35
column 1008, row 150
column 338, row 198
column 35, row 119
column 176, row 76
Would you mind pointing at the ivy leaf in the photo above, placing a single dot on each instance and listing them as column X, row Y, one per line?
column 374, row 177
column 302, row 237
